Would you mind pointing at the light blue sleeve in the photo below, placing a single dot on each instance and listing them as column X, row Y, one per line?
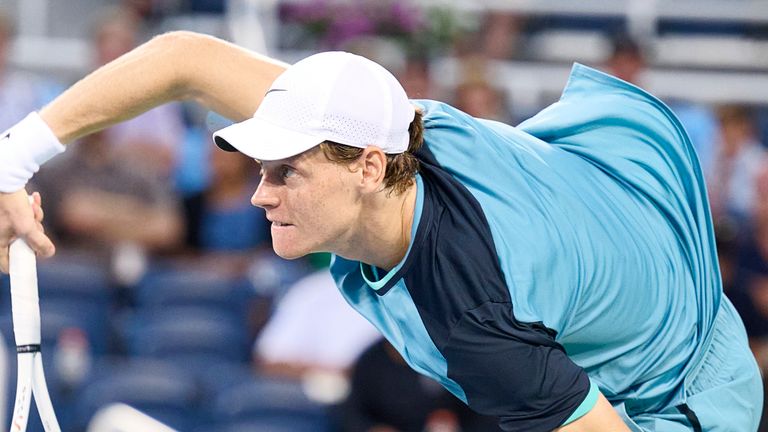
column 587, row 405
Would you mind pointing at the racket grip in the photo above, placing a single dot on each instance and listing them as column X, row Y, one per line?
column 24, row 298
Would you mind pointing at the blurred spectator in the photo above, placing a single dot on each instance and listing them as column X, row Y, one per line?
column 313, row 329
column 751, row 301
column 750, row 291
column 221, row 218
column 476, row 94
column 497, row 35
column 388, row 396
column 754, row 312
column 752, row 298
column 760, row 212
column 728, row 242
column 501, row 34
column 94, row 202
column 754, row 248
column 151, row 140
column 154, row 10
column 479, row 98
column 20, row 93
column 416, row 79
column 738, row 159
column 627, row 60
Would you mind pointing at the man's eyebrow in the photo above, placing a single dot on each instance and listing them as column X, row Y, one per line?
column 293, row 159
column 289, row 161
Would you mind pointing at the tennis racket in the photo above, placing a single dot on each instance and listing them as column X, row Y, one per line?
column 26, row 328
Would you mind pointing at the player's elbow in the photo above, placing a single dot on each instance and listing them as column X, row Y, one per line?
column 177, row 48
column 178, row 37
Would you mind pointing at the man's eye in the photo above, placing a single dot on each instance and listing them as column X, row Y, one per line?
column 287, row 172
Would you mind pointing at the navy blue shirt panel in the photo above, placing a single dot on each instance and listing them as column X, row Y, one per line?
column 513, row 370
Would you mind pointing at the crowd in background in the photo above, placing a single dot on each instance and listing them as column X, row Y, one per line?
column 154, row 192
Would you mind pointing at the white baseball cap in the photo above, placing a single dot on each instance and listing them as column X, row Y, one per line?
column 334, row 96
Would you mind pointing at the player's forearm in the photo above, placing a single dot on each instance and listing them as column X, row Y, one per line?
column 152, row 229
column 170, row 67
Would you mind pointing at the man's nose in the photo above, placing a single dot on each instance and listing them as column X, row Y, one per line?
column 264, row 196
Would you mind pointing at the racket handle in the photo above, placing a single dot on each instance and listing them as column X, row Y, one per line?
column 24, row 298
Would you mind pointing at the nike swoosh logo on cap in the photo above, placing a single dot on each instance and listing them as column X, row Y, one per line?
column 274, row 90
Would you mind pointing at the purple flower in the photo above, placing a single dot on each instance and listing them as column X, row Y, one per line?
column 307, row 13
column 348, row 23
column 407, row 16
column 335, row 23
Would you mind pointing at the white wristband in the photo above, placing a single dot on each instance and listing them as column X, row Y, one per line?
column 23, row 148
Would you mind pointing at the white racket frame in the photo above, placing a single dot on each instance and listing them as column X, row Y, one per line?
column 26, row 328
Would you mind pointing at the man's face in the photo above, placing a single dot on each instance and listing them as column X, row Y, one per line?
column 312, row 203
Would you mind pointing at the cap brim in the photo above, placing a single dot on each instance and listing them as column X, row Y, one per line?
column 262, row 140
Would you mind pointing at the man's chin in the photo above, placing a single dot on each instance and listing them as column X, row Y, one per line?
column 288, row 253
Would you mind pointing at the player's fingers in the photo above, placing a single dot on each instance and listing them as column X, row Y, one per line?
column 4, row 260
column 6, row 236
column 40, row 243
column 37, row 206
column 38, row 211
column 24, row 223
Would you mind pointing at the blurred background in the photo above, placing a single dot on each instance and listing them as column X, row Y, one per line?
column 165, row 294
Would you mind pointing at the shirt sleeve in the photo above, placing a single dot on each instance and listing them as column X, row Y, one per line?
column 514, row 370
column 586, row 405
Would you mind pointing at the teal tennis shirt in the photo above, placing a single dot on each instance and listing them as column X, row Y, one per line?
column 570, row 253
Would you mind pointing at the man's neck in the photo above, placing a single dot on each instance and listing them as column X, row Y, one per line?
column 385, row 230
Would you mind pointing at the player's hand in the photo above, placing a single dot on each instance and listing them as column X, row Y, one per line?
column 19, row 219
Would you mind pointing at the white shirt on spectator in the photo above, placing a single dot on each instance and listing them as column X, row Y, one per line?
column 313, row 325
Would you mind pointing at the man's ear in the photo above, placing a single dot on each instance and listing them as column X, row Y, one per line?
column 373, row 162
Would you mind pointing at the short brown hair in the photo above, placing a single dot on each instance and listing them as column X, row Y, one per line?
column 401, row 168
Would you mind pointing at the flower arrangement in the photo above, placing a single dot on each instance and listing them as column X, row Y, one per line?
column 330, row 24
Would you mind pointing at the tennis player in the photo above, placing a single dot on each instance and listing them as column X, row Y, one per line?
column 561, row 275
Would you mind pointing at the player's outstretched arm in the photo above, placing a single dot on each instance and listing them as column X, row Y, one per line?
column 174, row 66
column 601, row 418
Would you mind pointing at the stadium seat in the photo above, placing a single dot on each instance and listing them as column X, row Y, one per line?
column 187, row 331
column 219, row 377
column 268, row 399
column 164, row 288
column 274, row 424
column 159, row 389
column 74, row 280
column 57, row 316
